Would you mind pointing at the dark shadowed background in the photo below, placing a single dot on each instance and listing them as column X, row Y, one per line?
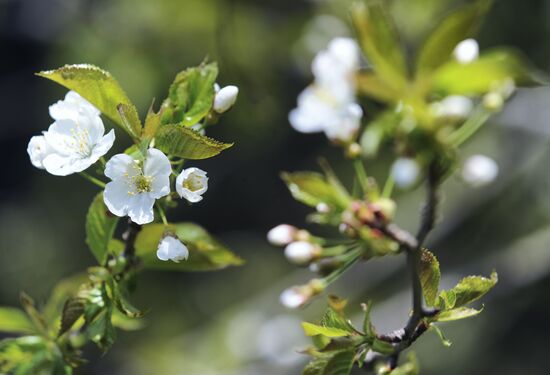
column 230, row 322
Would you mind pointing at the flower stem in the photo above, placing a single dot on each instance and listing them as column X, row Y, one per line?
column 162, row 215
column 469, row 127
column 352, row 257
column 92, row 179
column 361, row 174
column 388, row 187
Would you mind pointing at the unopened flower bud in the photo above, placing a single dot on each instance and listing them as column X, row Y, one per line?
column 453, row 106
column 493, row 101
column 466, row 51
column 322, row 208
column 386, row 207
column 405, row 172
column 225, row 98
column 282, row 235
column 293, row 297
column 301, row 252
column 353, row 150
column 479, row 170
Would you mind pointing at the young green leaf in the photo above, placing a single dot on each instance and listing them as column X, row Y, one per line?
column 101, row 89
column 191, row 95
column 13, row 320
column 479, row 76
column 429, row 276
column 205, row 252
column 35, row 316
column 457, row 26
column 100, row 227
column 381, row 346
column 72, row 311
column 371, row 85
column 122, row 302
column 332, row 319
column 340, row 363
column 313, row 188
column 470, row 289
column 186, row 143
column 457, row 314
column 380, row 42
column 101, row 330
column 368, row 328
column 314, row 329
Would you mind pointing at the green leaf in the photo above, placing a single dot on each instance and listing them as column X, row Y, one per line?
column 481, row 75
column 332, row 319
column 62, row 291
column 152, row 123
column 314, row 329
column 72, row 311
column 191, row 95
column 130, row 118
column 187, row 143
column 429, row 276
column 457, row 26
column 380, row 42
column 371, row 85
column 101, row 330
column 205, row 252
column 31, row 355
column 368, row 328
column 340, row 364
column 100, row 227
column 35, row 316
column 441, row 336
column 315, row 367
column 13, row 320
column 101, row 89
column 313, row 188
column 468, row 290
column 122, row 302
column 457, row 314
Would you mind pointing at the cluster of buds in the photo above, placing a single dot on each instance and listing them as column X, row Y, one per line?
column 299, row 248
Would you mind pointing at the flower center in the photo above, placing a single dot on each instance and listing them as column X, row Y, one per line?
column 193, row 183
column 80, row 141
column 143, row 184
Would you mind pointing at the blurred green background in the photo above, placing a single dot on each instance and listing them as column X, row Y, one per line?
column 230, row 322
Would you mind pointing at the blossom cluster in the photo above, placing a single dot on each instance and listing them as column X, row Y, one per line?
column 76, row 140
column 329, row 104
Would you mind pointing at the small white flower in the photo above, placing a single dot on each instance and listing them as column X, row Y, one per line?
column 479, row 170
column 170, row 248
column 329, row 104
column 293, row 298
column 405, row 172
column 225, row 98
column 282, row 235
column 38, row 149
column 74, row 142
column 301, row 252
column 191, row 184
column 135, row 187
column 71, row 107
column 454, row 106
column 466, row 51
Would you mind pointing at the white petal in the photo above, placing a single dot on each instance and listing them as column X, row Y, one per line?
column 71, row 107
column 63, row 165
column 119, row 166
column 346, row 51
column 282, row 235
column 199, row 180
column 140, row 209
column 405, row 172
column 104, row 145
column 156, row 164
column 116, row 198
column 37, row 149
column 171, row 248
column 60, row 136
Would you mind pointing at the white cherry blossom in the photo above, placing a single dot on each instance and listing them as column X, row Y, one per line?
column 453, row 106
column 191, row 184
column 171, row 248
column 329, row 104
column 135, row 185
column 74, row 142
column 301, row 252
